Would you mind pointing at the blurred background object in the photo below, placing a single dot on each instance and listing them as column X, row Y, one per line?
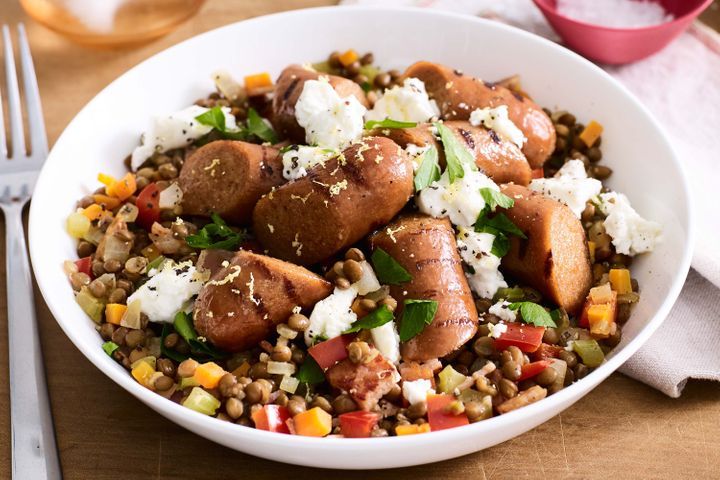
column 112, row 23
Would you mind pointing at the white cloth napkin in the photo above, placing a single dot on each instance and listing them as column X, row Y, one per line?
column 681, row 86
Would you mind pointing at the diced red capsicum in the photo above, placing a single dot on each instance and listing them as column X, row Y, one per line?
column 358, row 424
column 272, row 418
column 438, row 418
column 329, row 352
column 526, row 337
column 148, row 204
column 546, row 351
column 529, row 370
column 84, row 265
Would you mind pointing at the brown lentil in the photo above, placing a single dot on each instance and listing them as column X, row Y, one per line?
column 85, row 249
column 551, row 336
column 353, row 69
column 601, row 172
column 163, row 383
column 484, row 346
column 298, row 322
column 134, row 338
column 342, row 283
column 79, row 280
column 259, row 370
column 546, row 377
column 483, row 305
column 355, row 254
column 343, row 403
column 281, row 353
column 187, row 368
column 171, row 340
column 476, row 411
column 511, row 369
column 296, row 405
column 137, row 353
column 97, row 288
column 118, row 336
column 136, row 265
column 167, row 171
column 106, row 330
column 352, row 270
column 382, row 80
column 389, row 302
column 507, row 388
column 568, row 357
column 165, row 366
column 234, row 408
column 483, row 385
column 117, row 295
column 367, row 59
column 257, row 392
column 368, row 305
column 581, row 370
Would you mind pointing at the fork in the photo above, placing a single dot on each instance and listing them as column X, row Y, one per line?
column 34, row 453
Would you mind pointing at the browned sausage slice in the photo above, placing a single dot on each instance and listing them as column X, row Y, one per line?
column 288, row 88
column 458, row 95
column 499, row 159
column 426, row 248
column 228, row 177
column 336, row 204
column 243, row 302
column 554, row 258
column 365, row 382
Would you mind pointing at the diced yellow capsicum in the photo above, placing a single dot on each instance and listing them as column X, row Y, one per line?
column 412, row 429
column 620, row 280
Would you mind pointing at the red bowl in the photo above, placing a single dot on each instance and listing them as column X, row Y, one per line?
column 622, row 45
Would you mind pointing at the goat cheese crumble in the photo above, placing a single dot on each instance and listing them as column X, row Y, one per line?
column 387, row 341
column 176, row 130
column 497, row 329
column 167, row 290
column 631, row 234
column 501, row 310
column 570, row 186
column 417, row 391
column 329, row 121
column 406, row 103
column 484, row 276
column 297, row 161
column 497, row 119
column 461, row 201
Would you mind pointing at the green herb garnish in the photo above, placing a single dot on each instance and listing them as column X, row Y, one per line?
column 387, row 269
column 110, row 347
column 216, row 235
column 416, row 315
column 457, row 156
column 499, row 225
column 155, row 264
column 533, row 313
column 429, row 170
column 214, row 118
column 257, row 126
column 388, row 123
column 376, row 318
column 169, row 353
column 495, row 198
column 310, row 372
column 183, row 324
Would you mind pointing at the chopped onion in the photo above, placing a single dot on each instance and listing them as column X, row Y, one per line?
column 128, row 212
column 131, row 318
column 116, row 249
column 93, row 235
column 170, row 197
column 109, row 280
column 289, row 384
column 280, row 368
column 227, row 86
column 69, row 267
column 286, row 332
column 368, row 282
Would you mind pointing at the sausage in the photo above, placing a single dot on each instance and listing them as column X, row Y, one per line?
column 212, row 260
column 499, row 159
column 228, row 177
column 426, row 248
column 336, row 204
column 555, row 258
column 243, row 302
column 288, row 88
column 458, row 95
column 366, row 383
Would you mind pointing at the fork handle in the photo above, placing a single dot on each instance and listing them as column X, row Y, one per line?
column 34, row 453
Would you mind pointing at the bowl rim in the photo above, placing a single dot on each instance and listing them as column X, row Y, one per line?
column 548, row 10
column 199, row 423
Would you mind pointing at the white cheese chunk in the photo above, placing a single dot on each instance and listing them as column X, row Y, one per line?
column 415, row 153
column 570, row 186
column 484, row 278
column 387, row 341
column 332, row 315
column 417, row 391
column 461, row 201
column 501, row 310
column 495, row 331
column 297, row 161
column 406, row 103
column 165, row 293
column 329, row 121
column 176, row 130
column 497, row 120
column 368, row 282
column 631, row 234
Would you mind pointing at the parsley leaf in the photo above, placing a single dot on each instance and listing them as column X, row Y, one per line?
column 533, row 313
column 110, row 347
column 388, row 123
column 429, row 170
column 216, row 235
column 416, row 315
column 169, row 353
column 494, row 198
column 214, row 118
column 387, row 269
column 376, row 318
column 257, row 126
column 183, row 324
column 310, row 372
column 499, row 222
column 499, row 225
column 457, row 156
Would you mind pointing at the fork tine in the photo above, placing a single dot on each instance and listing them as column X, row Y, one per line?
column 17, row 135
column 36, row 123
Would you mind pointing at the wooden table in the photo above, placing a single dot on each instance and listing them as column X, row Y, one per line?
column 622, row 429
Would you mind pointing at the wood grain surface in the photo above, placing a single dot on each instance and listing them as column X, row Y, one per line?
column 622, row 429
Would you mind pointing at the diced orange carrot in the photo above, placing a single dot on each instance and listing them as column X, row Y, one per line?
column 412, row 429
column 348, row 57
column 93, row 212
column 591, row 133
column 109, row 202
column 315, row 422
column 258, row 84
column 105, row 179
column 143, row 372
column 620, row 280
column 242, row 370
column 114, row 312
column 591, row 248
column 209, row 374
column 123, row 188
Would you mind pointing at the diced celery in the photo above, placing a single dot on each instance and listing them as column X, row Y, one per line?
column 280, row 368
column 470, row 395
column 110, row 347
column 590, row 352
column 77, row 224
column 323, row 67
column 450, row 379
column 289, row 384
column 92, row 306
column 187, row 382
column 93, row 235
column 514, row 294
column 370, row 71
column 202, row 402
column 150, row 360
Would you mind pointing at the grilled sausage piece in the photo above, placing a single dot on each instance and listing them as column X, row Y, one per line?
column 336, row 204
column 288, row 88
column 499, row 159
column 365, row 382
column 555, row 258
column 458, row 95
column 426, row 248
column 228, row 177
column 243, row 302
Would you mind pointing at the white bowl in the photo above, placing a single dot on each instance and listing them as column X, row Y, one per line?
column 108, row 128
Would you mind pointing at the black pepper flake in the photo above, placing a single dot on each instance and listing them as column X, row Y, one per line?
column 494, row 136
